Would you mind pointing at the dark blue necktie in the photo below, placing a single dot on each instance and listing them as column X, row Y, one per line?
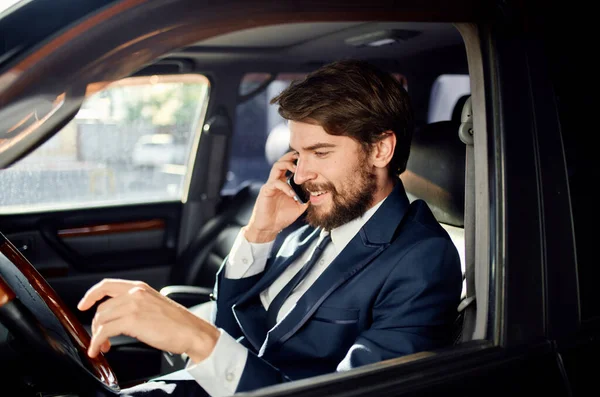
column 276, row 304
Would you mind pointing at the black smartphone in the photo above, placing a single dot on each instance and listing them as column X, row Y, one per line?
column 301, row 194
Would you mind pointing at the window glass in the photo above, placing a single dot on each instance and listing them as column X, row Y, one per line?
column 129, row 143
column 260, row 135
column 446, row 91
column 252, row 81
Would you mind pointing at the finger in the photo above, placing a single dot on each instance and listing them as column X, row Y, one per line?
column 106, row 287
column 122, row 299
column 115, row 308
column 278, row 186
column 283, row 165
column 128, row 305
column 106, row 331
column 96, row 292
column 280, row 167
column 105, row 347
column 289, row 155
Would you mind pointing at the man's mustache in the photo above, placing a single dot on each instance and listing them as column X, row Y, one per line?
column 318, row 187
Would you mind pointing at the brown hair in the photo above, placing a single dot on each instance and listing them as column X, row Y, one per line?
column 355, row 99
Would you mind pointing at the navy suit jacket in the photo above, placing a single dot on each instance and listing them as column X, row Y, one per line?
column 393, row 290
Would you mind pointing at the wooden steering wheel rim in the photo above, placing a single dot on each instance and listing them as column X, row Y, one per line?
column 81, row 339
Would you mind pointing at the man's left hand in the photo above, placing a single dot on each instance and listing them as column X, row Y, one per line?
column 137, row 310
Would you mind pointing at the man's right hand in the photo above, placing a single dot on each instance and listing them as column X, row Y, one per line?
column 275, row 207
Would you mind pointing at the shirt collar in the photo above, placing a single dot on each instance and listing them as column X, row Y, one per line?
column 341, row 235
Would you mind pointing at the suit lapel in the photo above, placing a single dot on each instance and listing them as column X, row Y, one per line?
column 248, row 310
column 368, row 243
column 351, row 260
column 286, row 255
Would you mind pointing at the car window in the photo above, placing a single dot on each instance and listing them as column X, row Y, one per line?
column 260, row 133
column 129, row 143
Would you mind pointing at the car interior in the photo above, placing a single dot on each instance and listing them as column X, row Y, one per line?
column 93, row 215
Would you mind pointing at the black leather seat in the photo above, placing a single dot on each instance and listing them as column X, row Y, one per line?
column 199, row 263
column 436, row 173
column 193, row 276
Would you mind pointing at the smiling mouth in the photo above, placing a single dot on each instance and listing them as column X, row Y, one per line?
column 315, row 194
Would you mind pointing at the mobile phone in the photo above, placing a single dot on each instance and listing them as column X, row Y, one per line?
column 301, row 194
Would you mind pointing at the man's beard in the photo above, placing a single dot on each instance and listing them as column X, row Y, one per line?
column 354, row 202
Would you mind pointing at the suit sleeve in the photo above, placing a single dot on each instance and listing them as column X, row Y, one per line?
column 227, row 292
column 240, row 270
column 415, row 308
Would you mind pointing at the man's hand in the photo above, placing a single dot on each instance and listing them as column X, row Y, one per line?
column 275, row 207
column 137, row 310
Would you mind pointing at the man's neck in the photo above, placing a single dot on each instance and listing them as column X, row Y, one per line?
column 382, row 191
column 341, row 235
column 380, row 195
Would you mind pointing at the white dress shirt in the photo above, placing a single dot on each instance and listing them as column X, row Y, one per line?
column 219, row 374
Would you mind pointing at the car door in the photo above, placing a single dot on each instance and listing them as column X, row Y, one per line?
column 81, row 207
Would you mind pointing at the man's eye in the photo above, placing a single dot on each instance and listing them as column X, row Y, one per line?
column 321, row 154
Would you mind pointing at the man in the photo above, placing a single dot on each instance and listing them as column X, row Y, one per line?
column 371, row 277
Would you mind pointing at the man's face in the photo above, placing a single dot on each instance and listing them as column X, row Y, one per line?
column 335, row 172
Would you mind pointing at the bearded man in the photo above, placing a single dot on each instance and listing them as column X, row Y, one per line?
column 370, row 277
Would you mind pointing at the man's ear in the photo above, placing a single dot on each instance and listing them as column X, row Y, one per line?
column 383, row 150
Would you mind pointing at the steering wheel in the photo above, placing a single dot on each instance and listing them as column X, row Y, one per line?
column 30, row 308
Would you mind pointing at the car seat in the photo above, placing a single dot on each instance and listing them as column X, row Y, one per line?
column 436, row 173
column 192, row 277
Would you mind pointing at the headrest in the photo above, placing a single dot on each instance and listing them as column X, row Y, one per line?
column 278, row 143
column 436, row 171
column 458, row 107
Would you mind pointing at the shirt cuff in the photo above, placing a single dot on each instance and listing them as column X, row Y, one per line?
column 246, row 259
column 219, row 374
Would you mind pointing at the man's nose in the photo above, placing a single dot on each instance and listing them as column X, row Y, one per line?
column 303, row 172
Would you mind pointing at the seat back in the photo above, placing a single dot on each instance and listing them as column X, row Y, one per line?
column 199, row 263
column 435, row 173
